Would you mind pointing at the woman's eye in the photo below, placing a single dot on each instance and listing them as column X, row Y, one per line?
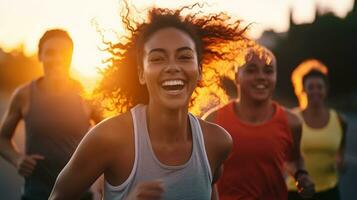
column 310, row 87
column 250, row 70
column 156, row 59
column 269, row 71
column 185, row 57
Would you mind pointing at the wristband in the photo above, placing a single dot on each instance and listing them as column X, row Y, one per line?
column 299, row 172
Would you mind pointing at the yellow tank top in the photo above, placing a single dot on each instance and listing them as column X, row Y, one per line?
column 319, row 147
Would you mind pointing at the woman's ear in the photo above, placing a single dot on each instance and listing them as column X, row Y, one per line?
column 141, row 75
column 200, row 72
column 39, row 57
column 236, row 76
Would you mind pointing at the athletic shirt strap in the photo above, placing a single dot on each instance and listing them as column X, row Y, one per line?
column 191, row 180
column 319, row 147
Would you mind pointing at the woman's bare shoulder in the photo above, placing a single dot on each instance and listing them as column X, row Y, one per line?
column 216, row 137
column 115, row 129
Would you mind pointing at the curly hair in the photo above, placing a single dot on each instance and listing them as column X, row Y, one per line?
column 217, row 40
column 300, row 72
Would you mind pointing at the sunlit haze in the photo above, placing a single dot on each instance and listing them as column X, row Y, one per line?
column 23, row 22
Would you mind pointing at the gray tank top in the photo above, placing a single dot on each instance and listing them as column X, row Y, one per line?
column 54, row 125
column 190, row 181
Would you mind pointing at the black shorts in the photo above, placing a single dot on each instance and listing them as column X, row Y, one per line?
column 331, row 194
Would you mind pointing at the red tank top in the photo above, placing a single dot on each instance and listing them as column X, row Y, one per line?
column 254, row 170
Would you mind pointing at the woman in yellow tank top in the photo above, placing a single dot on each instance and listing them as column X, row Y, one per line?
column 322, row 142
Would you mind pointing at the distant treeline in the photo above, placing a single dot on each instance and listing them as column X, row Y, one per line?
column 16, row 68
column 332, row 40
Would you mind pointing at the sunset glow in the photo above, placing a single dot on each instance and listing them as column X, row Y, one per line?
column 23, row 22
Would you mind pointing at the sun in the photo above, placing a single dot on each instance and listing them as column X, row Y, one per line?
column 89, row 52
column 86, row 62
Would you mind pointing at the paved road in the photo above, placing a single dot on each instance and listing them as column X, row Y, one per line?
column 348, row 181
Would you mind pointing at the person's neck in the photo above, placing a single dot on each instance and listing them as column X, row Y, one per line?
column 316, row 110
column 255, row 112
column 167, row 126
column 52, row 84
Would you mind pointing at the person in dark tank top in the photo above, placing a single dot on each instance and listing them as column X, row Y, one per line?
column 56, row 118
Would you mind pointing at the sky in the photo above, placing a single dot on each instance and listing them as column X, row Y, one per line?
column 24, row 21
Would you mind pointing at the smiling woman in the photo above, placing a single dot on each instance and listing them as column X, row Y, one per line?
column 298, row 74
column 157, row 150
column 218, row 47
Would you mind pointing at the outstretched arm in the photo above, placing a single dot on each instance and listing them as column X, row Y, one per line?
column 219, row 145
column 13, row 115
column 25, row 164
column 295, row 165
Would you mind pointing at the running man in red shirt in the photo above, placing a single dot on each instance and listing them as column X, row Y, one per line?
column 265, row 136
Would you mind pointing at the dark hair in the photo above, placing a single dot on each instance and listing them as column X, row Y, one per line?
column 315, row 74
column 120, row 84
column 166, row 21
column 51, row 34
column 229, row 86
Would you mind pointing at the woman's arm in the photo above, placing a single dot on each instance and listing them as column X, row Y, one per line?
column 219, row 145
column 88, row 162
column 341, row 152
column 295, row 164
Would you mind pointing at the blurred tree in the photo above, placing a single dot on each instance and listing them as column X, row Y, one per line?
column 330, row 39
column 16, row 68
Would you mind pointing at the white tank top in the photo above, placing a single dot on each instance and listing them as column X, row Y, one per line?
column 190, row 181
